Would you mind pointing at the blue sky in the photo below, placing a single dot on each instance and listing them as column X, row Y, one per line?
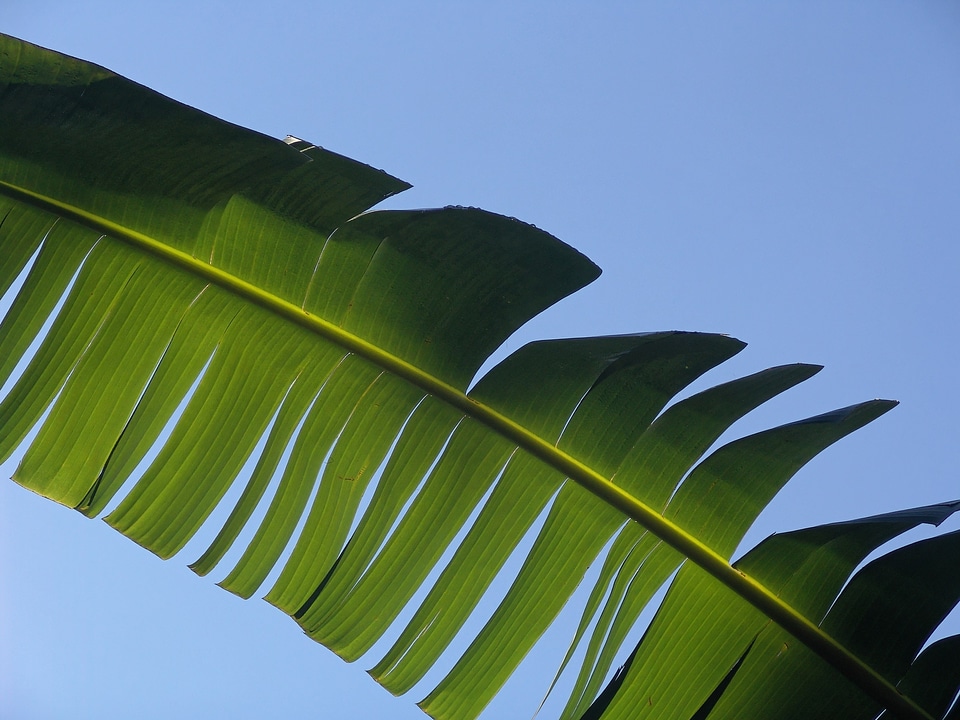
column 784, row 173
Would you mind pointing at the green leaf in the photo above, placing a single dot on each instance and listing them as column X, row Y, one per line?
column 183, row 262
column 806, row 568
column 811, row 566
column 934, row 677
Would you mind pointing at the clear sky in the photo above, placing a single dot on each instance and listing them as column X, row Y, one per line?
column 787, row 173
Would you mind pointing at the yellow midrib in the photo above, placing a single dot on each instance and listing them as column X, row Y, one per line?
column 746, row 587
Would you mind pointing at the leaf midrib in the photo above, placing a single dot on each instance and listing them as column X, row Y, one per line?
column 753, row 592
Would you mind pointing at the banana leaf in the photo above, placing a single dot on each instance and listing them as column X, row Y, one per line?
column 209, row 297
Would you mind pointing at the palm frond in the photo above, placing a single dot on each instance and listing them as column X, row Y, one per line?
column 183, row 260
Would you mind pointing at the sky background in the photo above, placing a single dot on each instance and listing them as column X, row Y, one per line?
column 785, row 173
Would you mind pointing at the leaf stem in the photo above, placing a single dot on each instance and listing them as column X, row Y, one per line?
column 851, row 666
